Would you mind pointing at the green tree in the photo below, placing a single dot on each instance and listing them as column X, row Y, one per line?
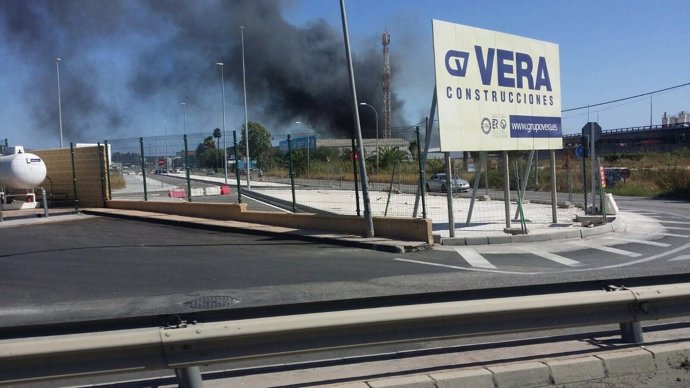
column 217, row 135
column 259, row 143
column 390, row 156
column 413, row 149
column 207, row 154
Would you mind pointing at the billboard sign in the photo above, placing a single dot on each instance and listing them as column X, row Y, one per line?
column 496, row 91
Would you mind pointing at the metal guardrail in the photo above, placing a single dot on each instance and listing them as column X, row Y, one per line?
column 186, row 346
column 644, row 128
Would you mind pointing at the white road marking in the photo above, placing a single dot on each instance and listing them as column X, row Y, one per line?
column 645, row 242
column 681, row 257
column 674, row 235
column 675, row 228
column 674, row 222
column 473, row 258
column 465, row 268
column 608, row 249
column 645, row 259
column 553, row 257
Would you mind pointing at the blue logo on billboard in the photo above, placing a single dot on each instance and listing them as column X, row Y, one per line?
column 513, row 69
column 535, row 126
column 459, row 59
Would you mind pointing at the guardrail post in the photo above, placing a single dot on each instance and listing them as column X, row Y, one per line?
column 631, row 332
column 189, row 377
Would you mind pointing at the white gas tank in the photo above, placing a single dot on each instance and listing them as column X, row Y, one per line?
column 21, row 170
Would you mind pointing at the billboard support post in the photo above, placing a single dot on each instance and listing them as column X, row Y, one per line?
column 554, row 198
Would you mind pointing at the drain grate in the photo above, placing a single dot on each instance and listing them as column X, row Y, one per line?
column 211, row 302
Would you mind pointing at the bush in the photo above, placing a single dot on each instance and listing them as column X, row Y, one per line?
column 674, row 183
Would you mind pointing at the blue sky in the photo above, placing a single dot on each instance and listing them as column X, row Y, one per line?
column 608, row 50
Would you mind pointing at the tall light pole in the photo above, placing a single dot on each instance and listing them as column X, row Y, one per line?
column 308, row 145
column 246, row 121
column 377, row 133
column 225, row 148
column 57, row 65
column 184, row 117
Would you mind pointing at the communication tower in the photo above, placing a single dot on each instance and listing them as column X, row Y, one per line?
column 386, row 40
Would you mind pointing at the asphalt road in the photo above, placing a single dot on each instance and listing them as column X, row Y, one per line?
column 93, row 267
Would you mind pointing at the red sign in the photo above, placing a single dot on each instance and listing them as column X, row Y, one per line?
column 161, row 162
column 603, row 177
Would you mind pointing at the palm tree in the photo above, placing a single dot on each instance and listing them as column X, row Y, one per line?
column 217, row 134
column 391, row 156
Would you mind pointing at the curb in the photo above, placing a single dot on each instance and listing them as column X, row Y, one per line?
column 546, row 373
column 616, row 225
column 377, row 244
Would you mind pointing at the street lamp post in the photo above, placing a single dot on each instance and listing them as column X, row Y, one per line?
column 225, row 148
column 377, row 133
column 57, row 66
column 308, row 146
column 246, row 121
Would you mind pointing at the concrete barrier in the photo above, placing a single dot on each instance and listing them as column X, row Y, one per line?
column 197, row 192
column 211, row 190
column 399, row 228
column 177, row 193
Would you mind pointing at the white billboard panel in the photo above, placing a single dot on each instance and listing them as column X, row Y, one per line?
column 496, row 91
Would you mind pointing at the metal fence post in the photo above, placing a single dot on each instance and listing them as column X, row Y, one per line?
column 291, row 173
column 422, row 173
column 107, row 170
column 354, row 170
column 2, row 206
column 506, row 187
column 44, row 202
column 74, row 178
column 449, row 193
column 237, row 168
column 101, row 172
column 143, row 167
column 186, row 169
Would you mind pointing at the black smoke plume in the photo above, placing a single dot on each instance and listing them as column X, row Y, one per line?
column 292, row 73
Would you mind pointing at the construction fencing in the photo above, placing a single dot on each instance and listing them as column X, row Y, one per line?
column 302, row 172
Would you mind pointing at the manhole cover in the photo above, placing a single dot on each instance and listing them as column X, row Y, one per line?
column 211, row 302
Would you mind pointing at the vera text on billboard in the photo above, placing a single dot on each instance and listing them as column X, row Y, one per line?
column 496, row 91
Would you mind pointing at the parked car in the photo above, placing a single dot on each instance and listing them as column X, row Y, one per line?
column 437, row 182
